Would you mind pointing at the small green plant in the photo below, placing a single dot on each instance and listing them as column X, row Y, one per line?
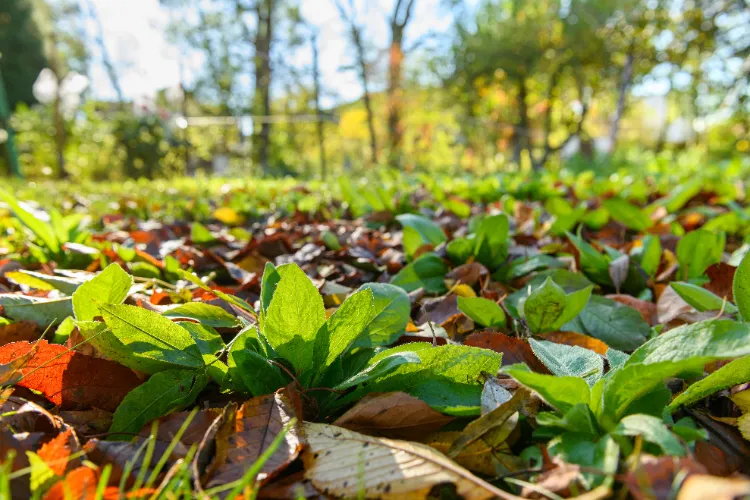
column 548, row 307
column 336, row 359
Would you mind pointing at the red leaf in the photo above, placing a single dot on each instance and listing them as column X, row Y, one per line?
column 70, row 379
column 56, row 452
column 79, row 483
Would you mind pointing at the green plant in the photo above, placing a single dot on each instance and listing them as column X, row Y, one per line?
column 548, row 307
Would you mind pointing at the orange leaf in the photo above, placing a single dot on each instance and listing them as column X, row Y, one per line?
column 70, row 379
column 79, row 483
column 56, row 452
column 577, row 339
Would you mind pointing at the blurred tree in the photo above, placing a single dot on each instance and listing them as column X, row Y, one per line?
column 355, row 34
column 399, row 20
column 22, row 49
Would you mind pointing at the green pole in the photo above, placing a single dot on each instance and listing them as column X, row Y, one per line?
column 15, row 169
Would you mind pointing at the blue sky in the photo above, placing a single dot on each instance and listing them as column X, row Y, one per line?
column 133, row 32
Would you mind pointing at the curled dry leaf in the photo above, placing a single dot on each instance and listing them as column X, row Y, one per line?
column 248, row 432
column 514, row 350
column 343, row 463
column 393, row 414
column 478, row 456
column 70, row 379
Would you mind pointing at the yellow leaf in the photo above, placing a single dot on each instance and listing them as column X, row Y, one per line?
column 229, row 216
column 383, row 468
column 463, row 290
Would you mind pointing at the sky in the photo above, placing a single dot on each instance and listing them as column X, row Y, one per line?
column 134, row 34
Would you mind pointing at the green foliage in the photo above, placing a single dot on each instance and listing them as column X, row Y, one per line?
column 741, row 288
column 548, row 307
column 419, row 231
column 482, row 311
column 426, row 272
column 702, row 299
column 697, row 250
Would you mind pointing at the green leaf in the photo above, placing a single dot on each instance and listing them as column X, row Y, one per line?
column 523, row 266
column 268, row 284
column 619, row 326
column 392, row 309
column 543, row 307
column 697, row 250
column 231, row 299
column 616, row 358
column 578, row 419
column 427, row 272
column 629, row 215
column 379, row 369
column 206, row 314
column 648, row 254
column 575, row 302
column 294, row 316
column 459, row 250
column 683, row 349
column 482, row 311
column 147, row 334
column 564, row 360
column 491, row 241
column 449, row 378
column 562, row 393
column 207, row 339
column 200, row 234
column 31, row 281
column 249, row 366
column 581, row 449
column 419, row 231
column 701, row 299
column 593, row 264
column 653, row 430
column 41, row 476
column 111, row 286
column 741, row 287
column 735, row 373
column 707, row 340
column 161, row 394
column 340, row 331
column 42, row 230
column 41, row 311
column 65, row 284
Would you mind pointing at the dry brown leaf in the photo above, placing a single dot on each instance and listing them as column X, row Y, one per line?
column 393, row 414
column 478, row 456
column 468, row 274
column 19, row 331
column 343, row 463
column 654, row 477
column 577, row 339
column 721, row 278
column 647, row 309
column 514, row 350
column 247, row 432
column 702, row 486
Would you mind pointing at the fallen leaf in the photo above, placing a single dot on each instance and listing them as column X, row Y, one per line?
column 70, row 379
column 577, row 339
column 19, row 331
column 721, row 278
column 393, row 414
column 468, row 274
column 478, row 456
column 80, row 483
column 383, row 468
column 56, row 452
column 654, row 477
column 647, row 309
column 87, row 422
column 514, row 350
column 701, row 486
column 247, row 432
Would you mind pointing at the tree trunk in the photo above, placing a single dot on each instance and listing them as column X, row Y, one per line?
column 262, row 98
column 627, row 76
column 366, row 96
column 318, row 111
column 395, row 92
column 522, row 132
